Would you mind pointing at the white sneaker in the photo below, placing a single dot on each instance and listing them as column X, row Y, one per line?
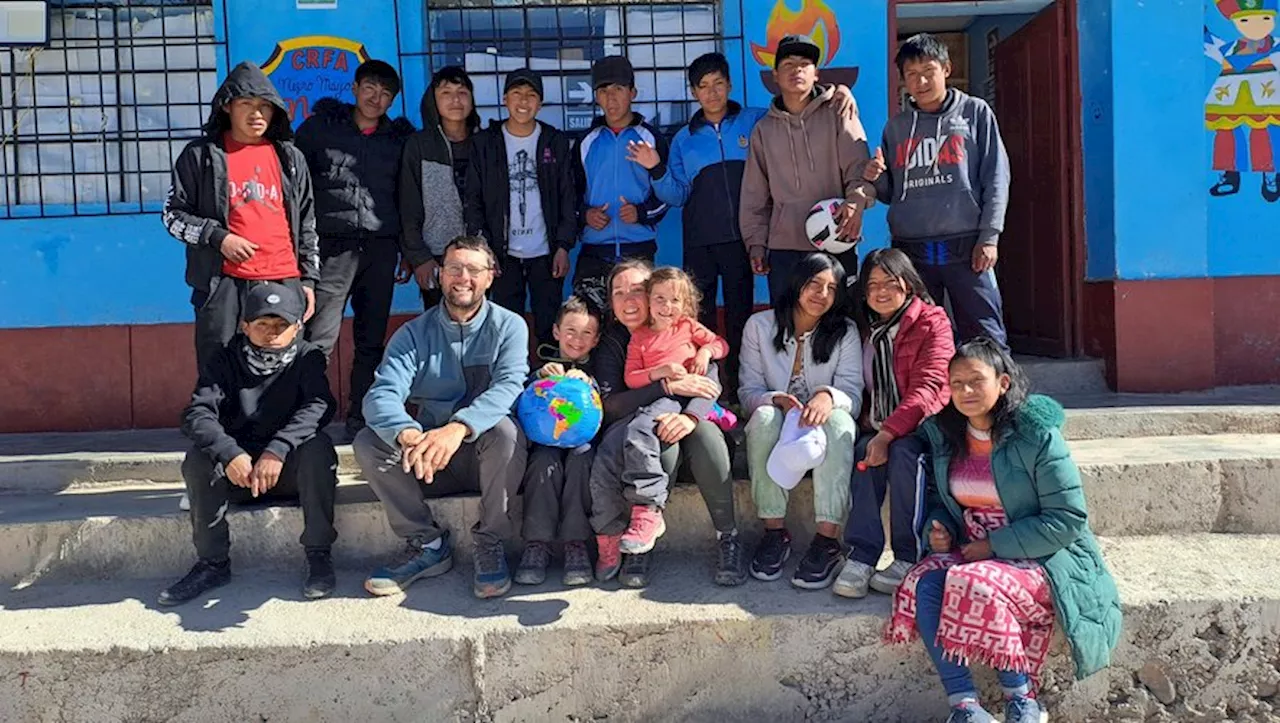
column 888, row 579
column 853, row 579
column 184, row 504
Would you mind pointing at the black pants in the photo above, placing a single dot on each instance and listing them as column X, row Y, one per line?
column 782, row 262
column 905, row 478
column 557, row 495
column 218, row 313
column 532, row 278
column 595, row 263
column 309, row 475
column 365, row 273
column 728, row 264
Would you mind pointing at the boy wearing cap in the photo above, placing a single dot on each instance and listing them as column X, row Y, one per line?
column 242, row 203
column 704, row 174
column 520, row 196
column 353, row 152
column 620, row 210
column 255, row 423
column 808, row 148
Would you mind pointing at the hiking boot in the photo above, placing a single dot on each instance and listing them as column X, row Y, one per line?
column 533, row 564
column 731, row 569
column 415, row 562
column 646, row 527
column 320, row 576
column 969, row 712
column 820, row 565
column 771, row 555
column 854, row 579
column 492, row 578
column 635, row 571
column 888, row 579
column 204, row 576
column 1023, row 709
column 577, row 564
column 608, row 557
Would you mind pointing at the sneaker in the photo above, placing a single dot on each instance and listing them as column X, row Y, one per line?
column 969, row 712
column 771, row 555
column 204, row 576
column 533, row 564
column 646, row 527
column 184, row 503
column 820, row 565
column 609, row 557
column 492, row 578
column 888, row 579
column 577, row 564
column 731, row 570
column 416, row 562
column 853, row 579
column 1023, row 709
column 320, row 576
column 635, row 571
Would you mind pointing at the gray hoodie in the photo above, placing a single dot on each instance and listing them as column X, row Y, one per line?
column 948, row 175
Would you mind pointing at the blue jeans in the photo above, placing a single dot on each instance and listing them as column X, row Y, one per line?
column 955, row 677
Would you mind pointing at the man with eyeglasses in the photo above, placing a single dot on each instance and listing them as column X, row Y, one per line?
column 353, row 152
column 438, row 424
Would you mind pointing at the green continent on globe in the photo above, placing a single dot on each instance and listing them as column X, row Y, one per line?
column 566, row 413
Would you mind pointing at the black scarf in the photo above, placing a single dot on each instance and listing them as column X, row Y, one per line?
column 265, row 362
column 884, row 385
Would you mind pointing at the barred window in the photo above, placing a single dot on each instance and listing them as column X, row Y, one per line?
column 561, row 38
column 91, row 124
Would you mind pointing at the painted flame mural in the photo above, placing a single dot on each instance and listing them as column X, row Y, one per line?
column 814, row 18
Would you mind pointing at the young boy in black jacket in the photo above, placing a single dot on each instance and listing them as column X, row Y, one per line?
column 255, row 421
column 520, row 196
column 353, row 152
column 241, row 201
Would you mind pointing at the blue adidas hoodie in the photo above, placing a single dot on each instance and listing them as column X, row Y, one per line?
column 704, row 175
column 605, row 176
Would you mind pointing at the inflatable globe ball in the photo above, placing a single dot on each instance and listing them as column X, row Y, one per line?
column 560, row 412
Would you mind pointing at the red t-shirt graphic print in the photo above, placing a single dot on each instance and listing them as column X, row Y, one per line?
column 255, row 194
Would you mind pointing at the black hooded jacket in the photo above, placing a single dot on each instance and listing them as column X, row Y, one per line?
column 354, row 175
column 487, row 207
column 430, row 205
column 195, row 212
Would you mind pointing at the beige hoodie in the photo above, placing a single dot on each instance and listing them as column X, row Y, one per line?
column 796, row 161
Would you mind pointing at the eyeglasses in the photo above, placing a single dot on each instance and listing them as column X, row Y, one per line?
column 457, row 269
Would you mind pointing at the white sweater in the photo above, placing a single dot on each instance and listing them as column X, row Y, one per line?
column 765, row 371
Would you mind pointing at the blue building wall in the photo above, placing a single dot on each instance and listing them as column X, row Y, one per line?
column 1097, row 137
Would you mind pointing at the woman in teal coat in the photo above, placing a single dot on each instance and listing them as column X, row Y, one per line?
column 1013, row 554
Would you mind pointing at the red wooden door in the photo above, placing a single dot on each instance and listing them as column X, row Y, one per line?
column 1039, row 270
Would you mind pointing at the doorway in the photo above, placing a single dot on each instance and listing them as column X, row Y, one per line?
column 1021, row 56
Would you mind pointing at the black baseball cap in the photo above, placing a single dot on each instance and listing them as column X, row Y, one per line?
column 523, row 76
column 800, row 45
column 613, row 70
column 271, row 298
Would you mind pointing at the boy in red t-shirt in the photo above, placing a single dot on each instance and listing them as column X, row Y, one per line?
column 241, row 200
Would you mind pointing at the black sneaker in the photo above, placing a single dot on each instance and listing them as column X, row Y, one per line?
column 731, row 570
column 821, row 564
column 533, row 564
column 204, row 576
column 577, row 564
column 320, row 577
column 635, row 570
column 771, row 555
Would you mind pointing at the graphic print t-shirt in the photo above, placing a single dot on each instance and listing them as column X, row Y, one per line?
column 255, row 194
column 526, row 225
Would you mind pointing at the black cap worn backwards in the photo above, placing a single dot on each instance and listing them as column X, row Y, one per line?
column 613, row 70
column 796, row 45
column 272, row 298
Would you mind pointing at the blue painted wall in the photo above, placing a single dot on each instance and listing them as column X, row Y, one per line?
column 1098, row 138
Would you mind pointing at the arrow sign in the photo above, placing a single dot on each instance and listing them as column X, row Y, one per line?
column 579, row 92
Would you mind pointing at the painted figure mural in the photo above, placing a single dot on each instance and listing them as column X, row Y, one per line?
column 1243, row 107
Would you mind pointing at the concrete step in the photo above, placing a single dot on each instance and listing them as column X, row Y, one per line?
column 1201, row 631
column 1143, row 486
column 1064, row 377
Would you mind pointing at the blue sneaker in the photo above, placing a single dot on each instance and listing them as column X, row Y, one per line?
column 1022, row 709
column 417, row 562
column 492, row 578
column 970, row 712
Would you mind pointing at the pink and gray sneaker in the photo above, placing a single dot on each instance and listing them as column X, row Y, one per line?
column 646, row 527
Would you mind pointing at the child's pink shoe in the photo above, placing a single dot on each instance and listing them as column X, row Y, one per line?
column 723, row 417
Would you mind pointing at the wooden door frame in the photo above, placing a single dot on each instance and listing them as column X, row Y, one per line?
column 1073, row 219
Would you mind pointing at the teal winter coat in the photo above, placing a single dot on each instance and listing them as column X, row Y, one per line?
column 1039, row 487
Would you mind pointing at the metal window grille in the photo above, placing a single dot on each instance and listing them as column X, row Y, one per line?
column 90, row 125
column 561, row 38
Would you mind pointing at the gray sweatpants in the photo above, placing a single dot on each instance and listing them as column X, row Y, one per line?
column 493, row 466
column 644, row 481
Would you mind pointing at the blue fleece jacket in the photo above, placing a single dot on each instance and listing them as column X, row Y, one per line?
column 470, row 373
column 606, row 177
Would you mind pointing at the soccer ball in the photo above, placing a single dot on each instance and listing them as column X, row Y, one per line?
column 822, row 228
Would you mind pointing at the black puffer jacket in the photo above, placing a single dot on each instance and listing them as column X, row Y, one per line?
column 354, row 175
